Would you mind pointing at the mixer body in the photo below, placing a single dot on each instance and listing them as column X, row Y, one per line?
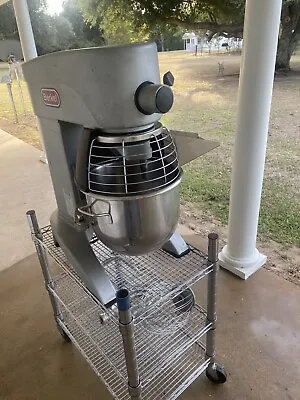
column 115, row 170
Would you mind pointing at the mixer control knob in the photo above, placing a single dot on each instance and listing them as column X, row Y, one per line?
column 151, row 98
column 168, row 78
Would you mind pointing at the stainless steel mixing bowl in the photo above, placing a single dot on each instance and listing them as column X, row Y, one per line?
column 136, row 224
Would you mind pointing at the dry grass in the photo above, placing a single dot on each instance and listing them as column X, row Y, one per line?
column 26, row 129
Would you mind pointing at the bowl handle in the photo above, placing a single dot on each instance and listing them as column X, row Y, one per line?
column 86, row 210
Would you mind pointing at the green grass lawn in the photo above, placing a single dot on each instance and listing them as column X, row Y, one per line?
column 207, row 104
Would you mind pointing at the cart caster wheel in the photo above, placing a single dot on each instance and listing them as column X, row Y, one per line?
column 63, row 334
column 216, row 374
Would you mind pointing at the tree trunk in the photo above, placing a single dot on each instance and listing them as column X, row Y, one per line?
column 162, row 39
column 289, row 37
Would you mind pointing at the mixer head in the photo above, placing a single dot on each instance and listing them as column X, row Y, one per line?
column 116, row 89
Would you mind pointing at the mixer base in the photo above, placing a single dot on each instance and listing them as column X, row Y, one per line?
column 176, row 246
column 75, row 243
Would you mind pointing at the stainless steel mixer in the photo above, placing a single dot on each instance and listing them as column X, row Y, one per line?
column 116, row 173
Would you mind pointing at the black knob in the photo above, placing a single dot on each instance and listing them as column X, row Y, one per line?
column 168, row 78
column 151, row 98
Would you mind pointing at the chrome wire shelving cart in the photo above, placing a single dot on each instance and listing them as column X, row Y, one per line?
column 155, row 340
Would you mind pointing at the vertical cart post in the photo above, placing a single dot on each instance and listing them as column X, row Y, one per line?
column 212, row 295
column 36, row 234
column 215, row 372
column 126, row 326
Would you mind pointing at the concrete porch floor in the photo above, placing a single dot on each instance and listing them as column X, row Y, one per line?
column 258, row 340
column 25, row 183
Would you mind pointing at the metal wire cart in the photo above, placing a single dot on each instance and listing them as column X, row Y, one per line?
column 155, row 340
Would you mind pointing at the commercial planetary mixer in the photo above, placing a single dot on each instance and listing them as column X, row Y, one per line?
column 111, row 256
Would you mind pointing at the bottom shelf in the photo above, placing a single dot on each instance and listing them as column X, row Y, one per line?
column 167, row 386
column 168, row 362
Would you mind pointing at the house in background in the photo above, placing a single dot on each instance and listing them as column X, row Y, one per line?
column 190, row 41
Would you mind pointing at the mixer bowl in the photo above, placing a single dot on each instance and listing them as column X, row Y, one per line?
column 136, row 224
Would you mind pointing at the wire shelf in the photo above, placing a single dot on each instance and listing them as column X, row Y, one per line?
column 170, row 379
column 158, row 276
column 155, row 352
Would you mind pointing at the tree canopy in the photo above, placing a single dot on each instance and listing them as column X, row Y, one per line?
column 52, row 33
column 223, row 16
column 85, row 23
column 217, row 17
column 85, row 34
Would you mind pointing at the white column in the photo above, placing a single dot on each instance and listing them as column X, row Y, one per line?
column 262, row 20
column 25, row 29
